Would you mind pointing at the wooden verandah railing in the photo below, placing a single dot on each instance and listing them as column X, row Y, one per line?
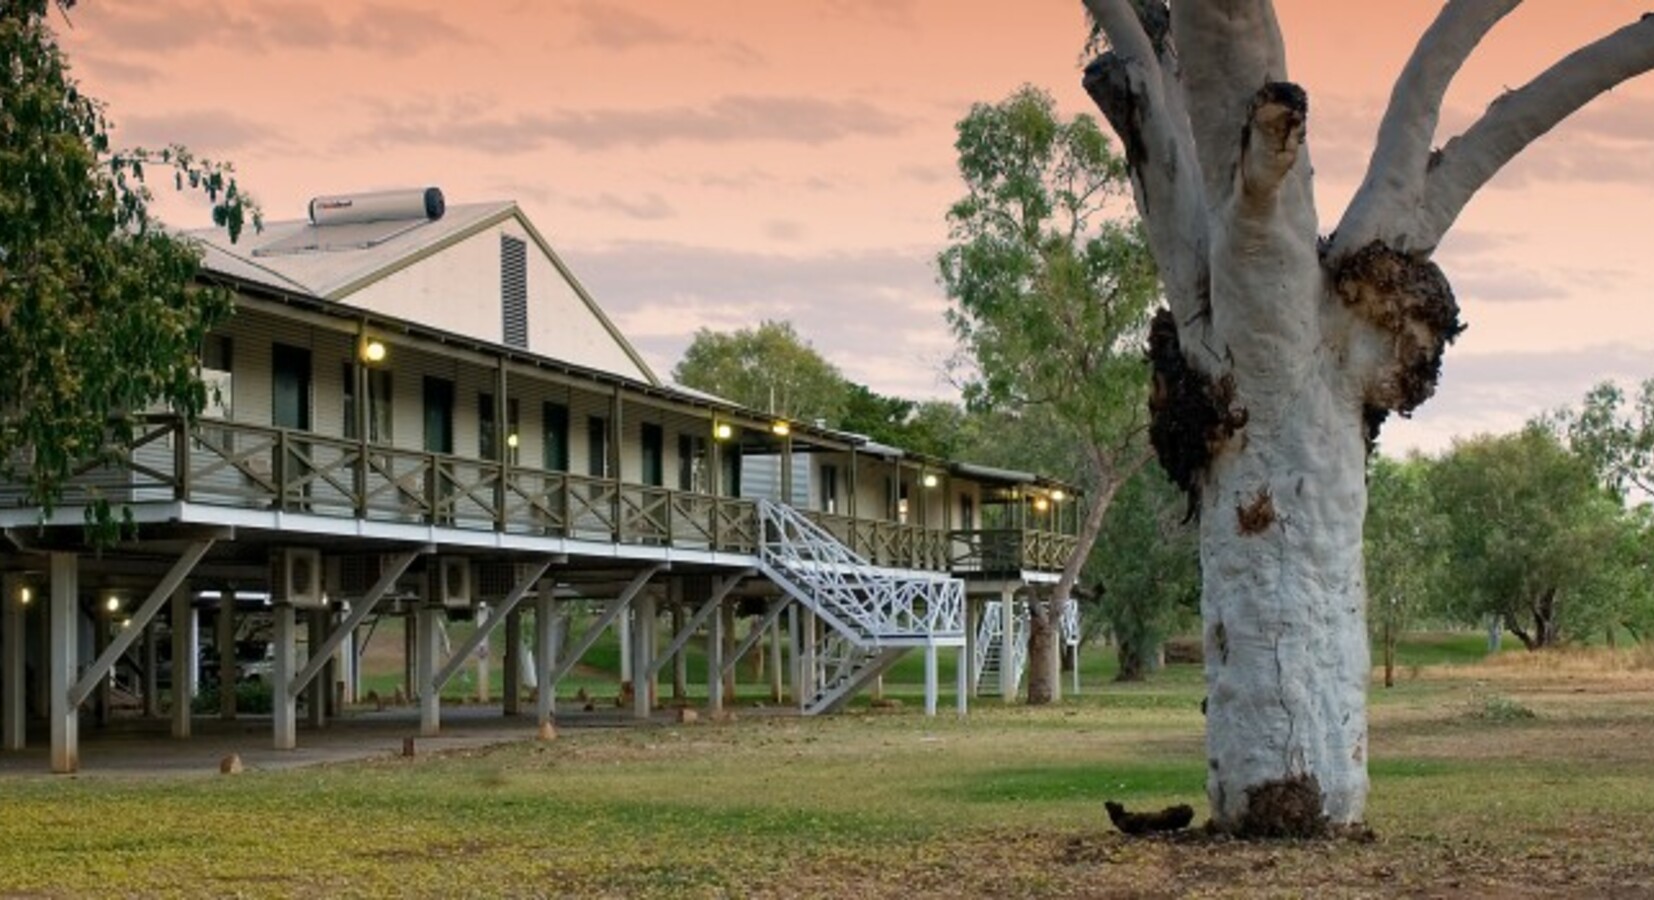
column 229, row 464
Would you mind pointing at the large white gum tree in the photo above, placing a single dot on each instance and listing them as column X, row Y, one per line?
column 1284, row 351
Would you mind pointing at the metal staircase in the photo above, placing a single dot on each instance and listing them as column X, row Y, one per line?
column 874, row 615
column 990, row 640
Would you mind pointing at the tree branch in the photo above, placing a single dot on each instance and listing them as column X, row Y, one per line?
column 1136, row 89
column 1394, row 185
column 1520, row 117
column 1229, row 49
column 1274, row 137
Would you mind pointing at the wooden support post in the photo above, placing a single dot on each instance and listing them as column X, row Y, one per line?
column 14, row 613
column 512, row 662
column 228, row 672
column 962, row 678
column 623, row 636
column 284, row 701
column 973, row 619
column 410, row 652
column 64, row 662
column 183, row 650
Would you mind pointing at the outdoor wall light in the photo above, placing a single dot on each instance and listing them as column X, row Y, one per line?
column 1041, row 504
column 722, row 431
column 1057, row 496
column 931, row 481
column 373, row 351
column 511, row 440
column 113, row 604
column 25, row 596
column 782, row 427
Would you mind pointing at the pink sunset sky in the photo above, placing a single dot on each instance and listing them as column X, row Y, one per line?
column 719, row 162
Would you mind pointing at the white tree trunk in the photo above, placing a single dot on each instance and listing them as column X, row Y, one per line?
column 1282, row 352
column 1283, row 600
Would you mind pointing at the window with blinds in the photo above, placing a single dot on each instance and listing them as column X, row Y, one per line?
column 514, row 291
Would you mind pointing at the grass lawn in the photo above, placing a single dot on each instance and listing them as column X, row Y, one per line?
column 1470, row 797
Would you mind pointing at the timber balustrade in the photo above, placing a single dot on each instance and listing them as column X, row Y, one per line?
column 218, row 463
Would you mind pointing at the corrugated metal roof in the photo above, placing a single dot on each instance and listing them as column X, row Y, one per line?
column 324, row 261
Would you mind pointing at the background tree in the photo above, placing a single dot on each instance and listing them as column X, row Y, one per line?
column 1534, row 539
column 1283, row 352
column 768, row 368
column 100, row 312
column 1406, row 550
column 1618, row 441
column 1050, row 299
column 1147, row 569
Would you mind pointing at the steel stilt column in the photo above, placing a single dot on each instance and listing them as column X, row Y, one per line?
column 1008, row 647
column 64, row 663
column 547, row 637
column 183, row 646
column 284, row 700
column 511, row 665
column 715, row 663
column 430, row 692
column 930, row 680
column 12, row 609
column 962, row 677
column 228, row 670
column 643, row 652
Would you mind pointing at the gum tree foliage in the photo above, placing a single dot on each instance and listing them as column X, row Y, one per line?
column 1051, row 292
column 1535, row 540
column 100, row 313
column 1287, row 346
column 1616, row 436
column 1146, row 569
column 768, row 367
column 1407, row 550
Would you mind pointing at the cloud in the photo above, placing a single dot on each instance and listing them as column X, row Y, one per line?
column 877, row 315
column 210, row 132
column 108, row 69
column 900, row 14
column 809, row 121
column 611, row 27
column 1499, row 392
column 784, row 230
column 168, row 26
column 651, row 207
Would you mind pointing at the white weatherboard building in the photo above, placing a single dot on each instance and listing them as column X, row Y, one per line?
column 419, row 412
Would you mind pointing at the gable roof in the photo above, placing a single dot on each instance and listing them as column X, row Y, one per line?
column 332, row 262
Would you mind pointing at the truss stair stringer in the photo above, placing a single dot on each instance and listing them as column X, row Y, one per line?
column 990, row 640
column 874, row 614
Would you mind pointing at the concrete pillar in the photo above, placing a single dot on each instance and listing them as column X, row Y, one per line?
column 183, row 645
column 962, row 675
column 229, row 670
column 425, row 666
column 1074, row 652
column 930, row 680
column 643, row 632
column 1007, row 646
column 623, row 633
column 63, row 660
column 511, row 667
column 776, row 687
column 284, row 705
column 152, row 681
column 715, row 662
column 545, row 655
column 13, row 619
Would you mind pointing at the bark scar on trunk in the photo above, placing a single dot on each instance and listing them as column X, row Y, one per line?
column 1190, row 414
column 1256, row 515
column 1408, row 299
